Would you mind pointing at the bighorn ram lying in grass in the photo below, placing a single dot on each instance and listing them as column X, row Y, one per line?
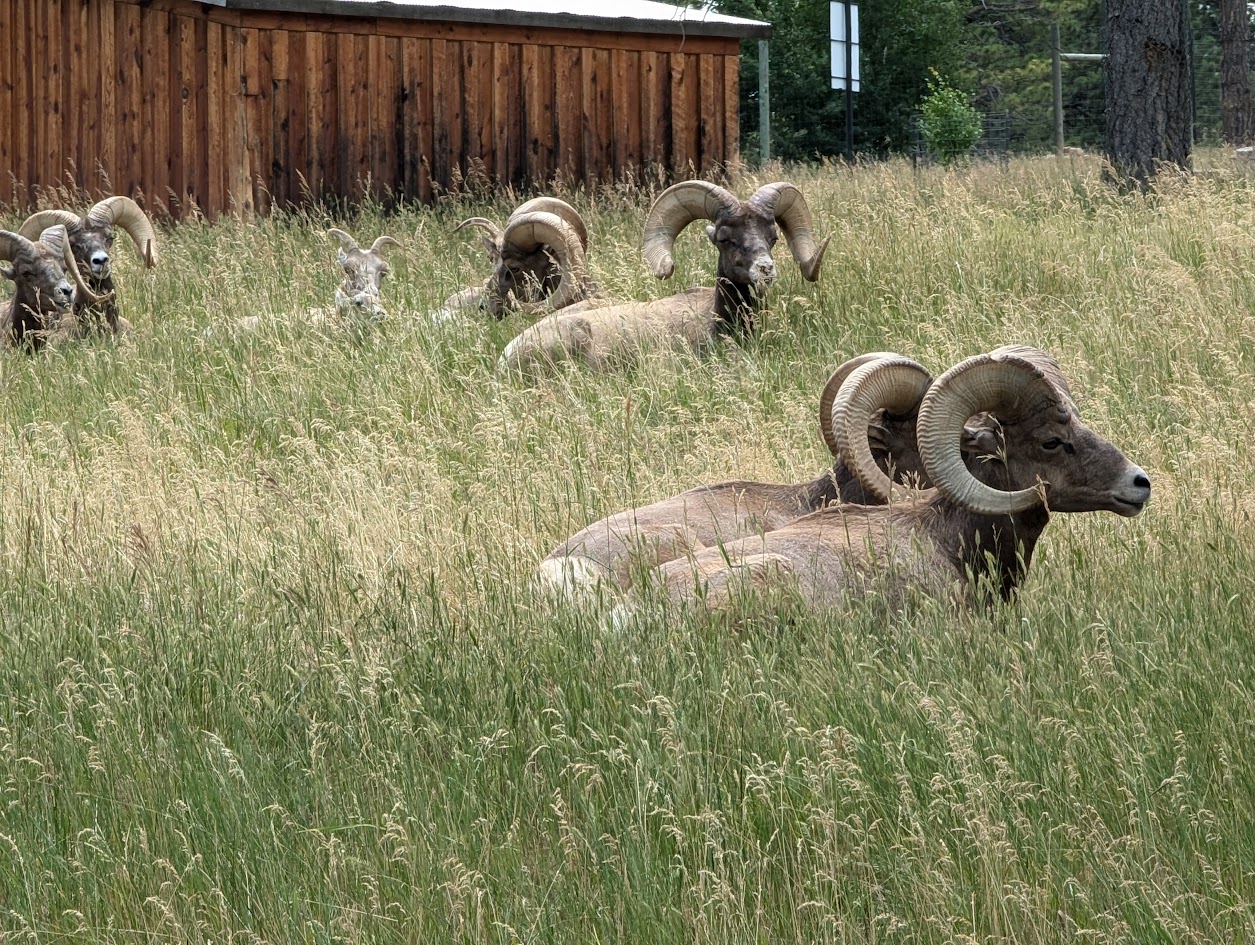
column 744, row 233
column 43, row 297
column 543, row 239
column 996, row 481
column 623, row 546
column 91, row 238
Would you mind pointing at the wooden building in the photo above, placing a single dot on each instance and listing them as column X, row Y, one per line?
column 243, row 104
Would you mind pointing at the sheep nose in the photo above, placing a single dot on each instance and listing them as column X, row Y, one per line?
column 63, row 294
column 99, row 261
column 763, row 272
column 1142, row 481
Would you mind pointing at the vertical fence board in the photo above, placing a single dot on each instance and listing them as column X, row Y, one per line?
column 731, row 109
column 507, row 108
column 656, row 110
column 278, row 173
column 106, row 117
column 626, row 87
column 685, row 144
column 385, row 118
column 538, row 113
column 477, row 76
column 159, row 159
column 215, row 178
column 711, row 115
column 416, row 76
column 131, row 134
column 297, row 131
column 447, row 117
column 568, row 81
column 48, row 104
column 7, row 118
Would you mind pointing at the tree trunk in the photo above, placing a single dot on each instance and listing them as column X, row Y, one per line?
column 1235, row 72
column 1148, row 87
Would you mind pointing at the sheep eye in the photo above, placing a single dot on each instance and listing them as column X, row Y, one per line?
column 1056, row 443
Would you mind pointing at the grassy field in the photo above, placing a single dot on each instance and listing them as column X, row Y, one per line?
column 270, row 669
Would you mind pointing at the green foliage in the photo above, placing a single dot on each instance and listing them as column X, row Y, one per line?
column 950, row 124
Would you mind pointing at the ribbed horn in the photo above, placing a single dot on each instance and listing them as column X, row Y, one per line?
column 829, row 394
column 483, row 223
column 896, row 384
column 1006, row 385
column 39, row 221
column 125, row 213
column 347, row 243
column 57, row 239
column 677, row 207
column 13, row 243
column 559, row 208
column 786, row 203
column 381, row 242
column 529, row 231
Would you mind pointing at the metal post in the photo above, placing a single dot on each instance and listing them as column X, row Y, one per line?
column 1056, row 74
column 849, row 84
column 764, row 103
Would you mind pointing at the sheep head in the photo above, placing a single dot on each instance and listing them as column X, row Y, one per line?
column 92, row 235
column 41, row 271
column 359, row 294
column 532, row 265
column 744, row 232
column 999, row 434
column 899, row 386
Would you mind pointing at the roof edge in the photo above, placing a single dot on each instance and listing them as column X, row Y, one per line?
column 749, row 29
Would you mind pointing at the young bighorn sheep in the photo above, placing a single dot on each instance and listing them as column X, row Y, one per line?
column 43, row 296
column 358, row 300
column 743, row 232
column 995, row 483
column 91, row 239
column 525, row 256
column 623, row 546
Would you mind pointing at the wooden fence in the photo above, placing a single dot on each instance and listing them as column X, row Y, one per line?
column 238, row 110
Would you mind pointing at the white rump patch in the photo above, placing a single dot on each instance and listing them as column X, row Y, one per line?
column 572, row 577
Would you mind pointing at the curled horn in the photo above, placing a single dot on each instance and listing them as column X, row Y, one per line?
column 1003, row 383
column 829, row 394
column 559, row 208
column 483, row 223
column 39, row 221
column 381, row 242
column 13, row 243
column 125, row 212
column 57, row 239
column 528, row 231
column 347, row 243
column 677, row 207
column 893, row 383
column 786, row 203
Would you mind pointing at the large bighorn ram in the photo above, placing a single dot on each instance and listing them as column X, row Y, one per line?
column 537, row 262
column 743, row 232
column 623, row 546
column 996, row 480
column 91, row 238
column 43, row 297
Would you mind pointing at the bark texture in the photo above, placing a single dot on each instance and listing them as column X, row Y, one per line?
column 1235, row 72
column 1148, row 88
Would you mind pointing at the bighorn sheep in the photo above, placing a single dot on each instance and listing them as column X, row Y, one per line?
column 743, row 232
column 623, row 546
column 43, row 297
column 91, row 238
column 996, row 481
column 542, row 240
column 358, row 297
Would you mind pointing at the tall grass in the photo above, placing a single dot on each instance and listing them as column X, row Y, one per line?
column 270, row 669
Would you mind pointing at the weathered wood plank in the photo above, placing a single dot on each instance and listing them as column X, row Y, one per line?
column 7, row 117
column 568, row 79
column 626, row 86
column 353, row 141
column 538, row 114
column 711, row 115
column 507, row 108
column 477, row 76
column 49, row 103
column 731, row 109
column 446, row 64
column 385, row 115
column 277, row 174
column 128, row 174
column 685, row 143
column 656, row 110
column 297, row 132
column 107, row 120
column 417, row 130
column 158, row 148
column 261, row 119
column 235, row 150
column 216, row 139
column 598, row 115
column 328, row 116
column 186, row 116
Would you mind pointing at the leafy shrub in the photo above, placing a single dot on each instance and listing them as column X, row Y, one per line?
column 950, row 124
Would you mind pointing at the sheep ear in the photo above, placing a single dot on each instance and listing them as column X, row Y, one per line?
column 982, row 436
column 491, row 247
column 710, row 233
column 7, row 271
column 342, row 256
